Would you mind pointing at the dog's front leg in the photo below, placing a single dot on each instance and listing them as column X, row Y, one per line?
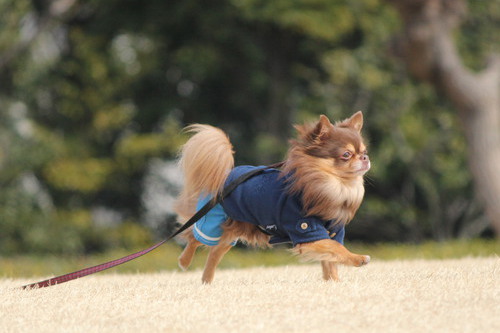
column 330, row 250
column 214, row 257
column 329, row 270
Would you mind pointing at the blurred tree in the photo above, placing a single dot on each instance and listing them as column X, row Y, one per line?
column 94, row 93
column 427, row 47
column 91, row 144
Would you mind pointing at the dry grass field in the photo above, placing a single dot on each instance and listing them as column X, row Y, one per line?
column 455, row 295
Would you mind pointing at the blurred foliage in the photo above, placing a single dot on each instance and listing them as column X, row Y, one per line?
column 91, row 92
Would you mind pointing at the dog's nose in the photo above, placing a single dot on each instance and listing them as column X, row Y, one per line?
column 364, row 157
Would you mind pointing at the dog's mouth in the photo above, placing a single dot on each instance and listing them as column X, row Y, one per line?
column 365, row 166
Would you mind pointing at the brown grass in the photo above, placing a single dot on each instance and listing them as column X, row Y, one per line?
column 461, row 295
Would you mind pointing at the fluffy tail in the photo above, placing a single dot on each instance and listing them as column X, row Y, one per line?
column 206, row 160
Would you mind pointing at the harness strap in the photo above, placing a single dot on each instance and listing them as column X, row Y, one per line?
column 198, row 215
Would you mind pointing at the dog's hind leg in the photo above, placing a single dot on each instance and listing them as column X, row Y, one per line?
column 214, row 257
column 187, row 255
column 218, row 251
column 329, row 270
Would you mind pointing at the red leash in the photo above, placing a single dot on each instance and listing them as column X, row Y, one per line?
column 95, row 269
column 199, row 214
column 90, row 270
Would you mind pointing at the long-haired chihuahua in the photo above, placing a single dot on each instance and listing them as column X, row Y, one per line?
column 308, row 202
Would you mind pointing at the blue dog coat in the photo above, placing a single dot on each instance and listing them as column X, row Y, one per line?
column 263, row 201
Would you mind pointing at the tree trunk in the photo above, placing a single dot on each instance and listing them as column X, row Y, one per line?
column 427, row 48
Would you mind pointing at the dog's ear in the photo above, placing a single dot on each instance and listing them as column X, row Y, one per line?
column 316, row 132
column 355, row 122
column 322, row 128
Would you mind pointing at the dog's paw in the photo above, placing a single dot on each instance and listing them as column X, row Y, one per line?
column 360, row 260
column 182, row 265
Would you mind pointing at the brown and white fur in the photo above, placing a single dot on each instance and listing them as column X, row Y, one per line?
column 327, row 163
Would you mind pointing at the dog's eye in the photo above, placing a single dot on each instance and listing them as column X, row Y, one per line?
column 347, row 155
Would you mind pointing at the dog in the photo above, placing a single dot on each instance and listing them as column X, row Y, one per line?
column 308, row 202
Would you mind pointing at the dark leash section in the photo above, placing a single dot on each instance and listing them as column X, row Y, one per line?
column 198, row 215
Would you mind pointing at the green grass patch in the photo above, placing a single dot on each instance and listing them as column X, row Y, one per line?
column 430, row 250
column 165, row 257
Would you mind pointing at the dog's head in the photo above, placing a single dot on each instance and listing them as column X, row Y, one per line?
column 341, row 146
